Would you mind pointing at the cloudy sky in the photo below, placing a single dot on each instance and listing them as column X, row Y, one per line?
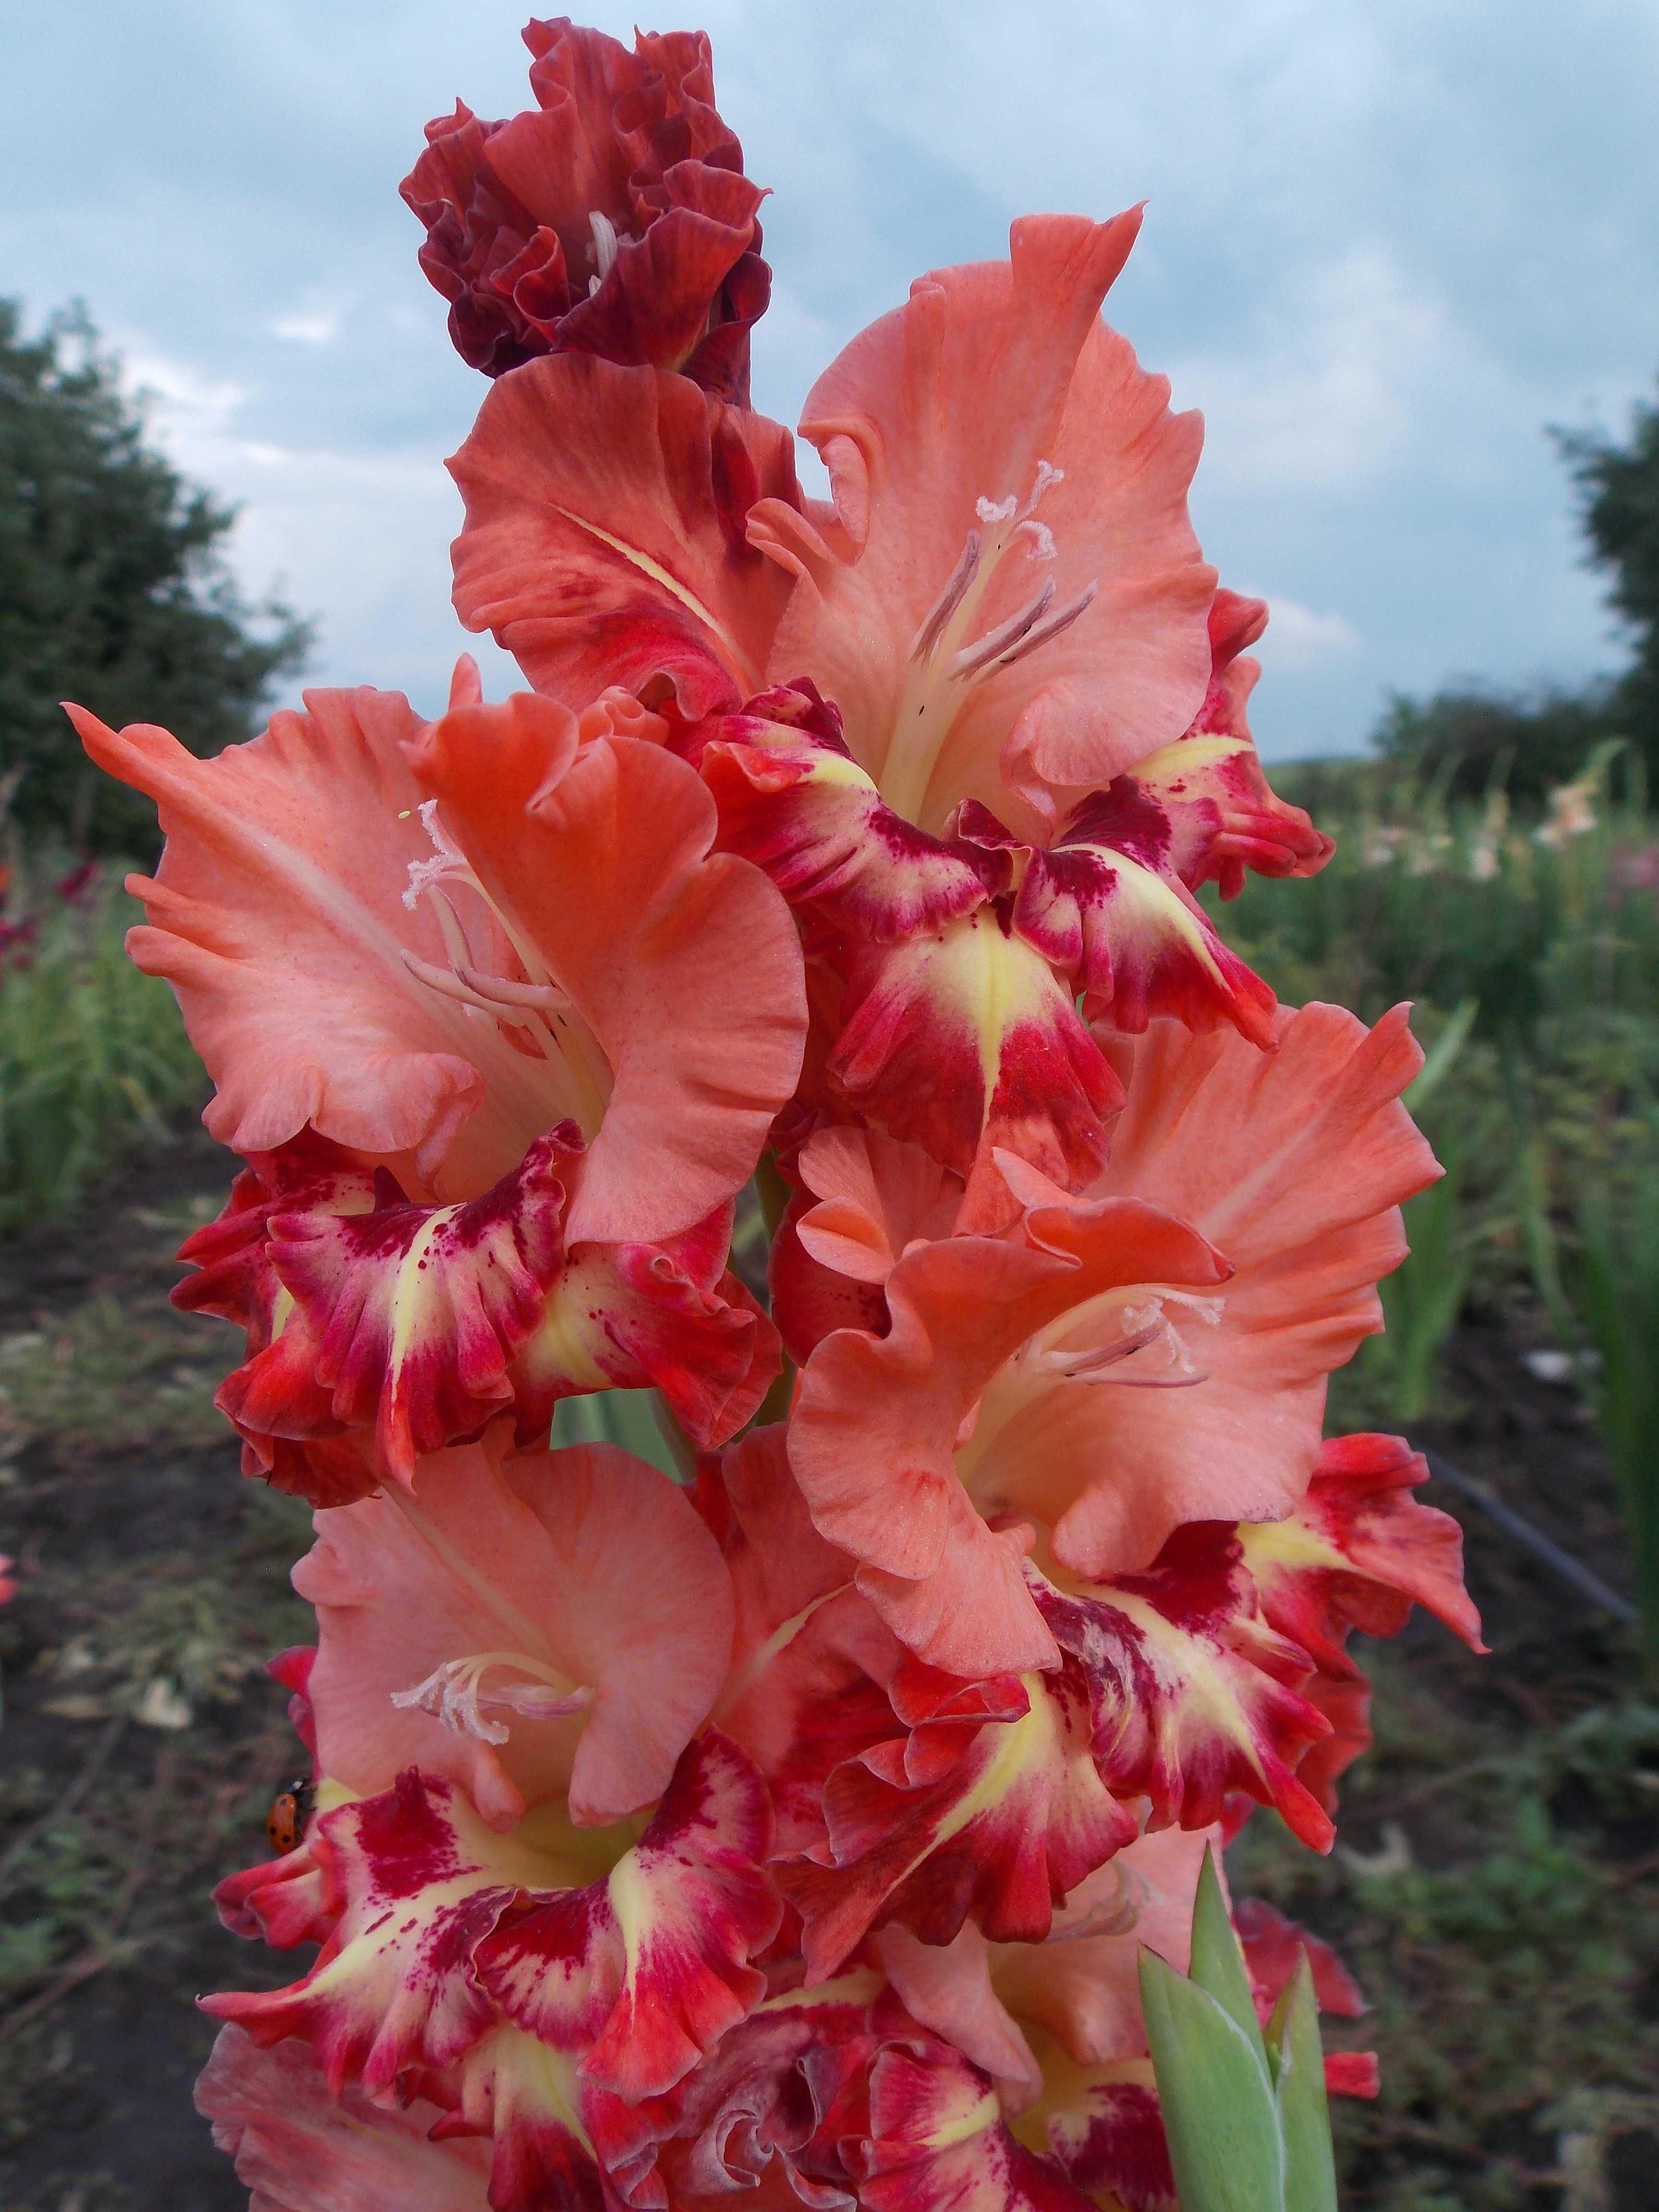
column 1387, row 241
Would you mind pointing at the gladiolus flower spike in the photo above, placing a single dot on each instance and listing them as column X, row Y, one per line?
column 841, row 1818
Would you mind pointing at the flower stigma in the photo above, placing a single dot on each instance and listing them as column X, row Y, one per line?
column 946, row 663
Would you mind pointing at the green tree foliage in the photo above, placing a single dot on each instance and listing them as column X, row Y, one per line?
column 1620, row 489
column 114, row 590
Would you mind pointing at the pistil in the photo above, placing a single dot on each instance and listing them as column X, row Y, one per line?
column 454, row 1693
column 945, row 661
column 538, row 1009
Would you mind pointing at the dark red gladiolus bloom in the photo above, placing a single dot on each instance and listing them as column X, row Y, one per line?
column 612, row 218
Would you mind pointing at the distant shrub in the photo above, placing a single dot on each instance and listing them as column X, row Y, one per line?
column 1468, row 740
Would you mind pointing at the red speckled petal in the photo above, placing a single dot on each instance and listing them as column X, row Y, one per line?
column 796, row 803
column 1194, row 1694
column 1132, row 938
column 963, row 1042
column 645, row 1973
column 1358, row 1551
column 990, row 1808
column 421, row 1882
column 409, row 1316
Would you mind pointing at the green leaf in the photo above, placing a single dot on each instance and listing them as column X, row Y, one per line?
column 1220, row 2114
column 1441, row 1056
column 1218, row 1964
column 1303, row 2114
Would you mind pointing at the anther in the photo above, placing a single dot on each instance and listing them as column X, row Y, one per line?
column 1004, row 634
column 950, row 598
column 1038, row 632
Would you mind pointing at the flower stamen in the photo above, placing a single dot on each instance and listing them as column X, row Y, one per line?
column 945, row 660
column 454, row 1694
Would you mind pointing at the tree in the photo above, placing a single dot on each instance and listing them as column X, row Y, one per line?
column 114, row 590
column 1467, row 737
column 1618, row 486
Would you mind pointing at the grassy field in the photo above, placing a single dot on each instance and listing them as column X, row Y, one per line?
column 1497, row 1887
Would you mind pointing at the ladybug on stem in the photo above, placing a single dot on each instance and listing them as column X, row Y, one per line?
column 285, row 1823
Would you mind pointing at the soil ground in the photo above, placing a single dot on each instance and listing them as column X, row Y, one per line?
column 1497, row 1887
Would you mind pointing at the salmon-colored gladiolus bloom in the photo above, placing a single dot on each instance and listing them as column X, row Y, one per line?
column 992, row 735
column 1149, row 1353
column 538, row 1030
column 811, row 961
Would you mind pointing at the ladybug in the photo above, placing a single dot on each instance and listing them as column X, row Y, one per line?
column 285, row 1823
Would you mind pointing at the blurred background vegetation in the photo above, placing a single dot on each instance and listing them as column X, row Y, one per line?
column 1498, row 864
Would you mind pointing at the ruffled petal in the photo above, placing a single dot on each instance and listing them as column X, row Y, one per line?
column 278, row 915
column 988, row 1807
column 584, row 1565
column 634, row 139
column 271, row 2110
column 421, row 1880
column 950, row 406
column 603, row 540
column 447, row 1934
column 794, row 800
column 237, row 1282
column 1293, row 1164
column 1125, row 929
column 875, row 1436
column 1192, row 1694
column 406, row 1318
column 938, row 2142
column 683, row 963
column 630, row 1316
column 964, row 1042
column 1358, row 1551
column 1222, row 817
column 644, row 1974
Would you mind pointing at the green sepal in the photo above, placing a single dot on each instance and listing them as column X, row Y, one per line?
column 1304, row 2117
column 1220, row 2117
column 1218, row 1961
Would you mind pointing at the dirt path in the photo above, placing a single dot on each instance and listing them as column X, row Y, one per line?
column 142, row 1741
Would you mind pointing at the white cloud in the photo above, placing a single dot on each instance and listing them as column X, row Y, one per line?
column 1383, row 249
column 1299, row 638
column 1325, row 398
column 319, row 329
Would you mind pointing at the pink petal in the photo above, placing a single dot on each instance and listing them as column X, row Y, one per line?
column 296, row 2148
column 956, row 397
column 597, row 1553
column 603, row 540
column 278, row 915
column 874, row 1438
column 684, row 963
